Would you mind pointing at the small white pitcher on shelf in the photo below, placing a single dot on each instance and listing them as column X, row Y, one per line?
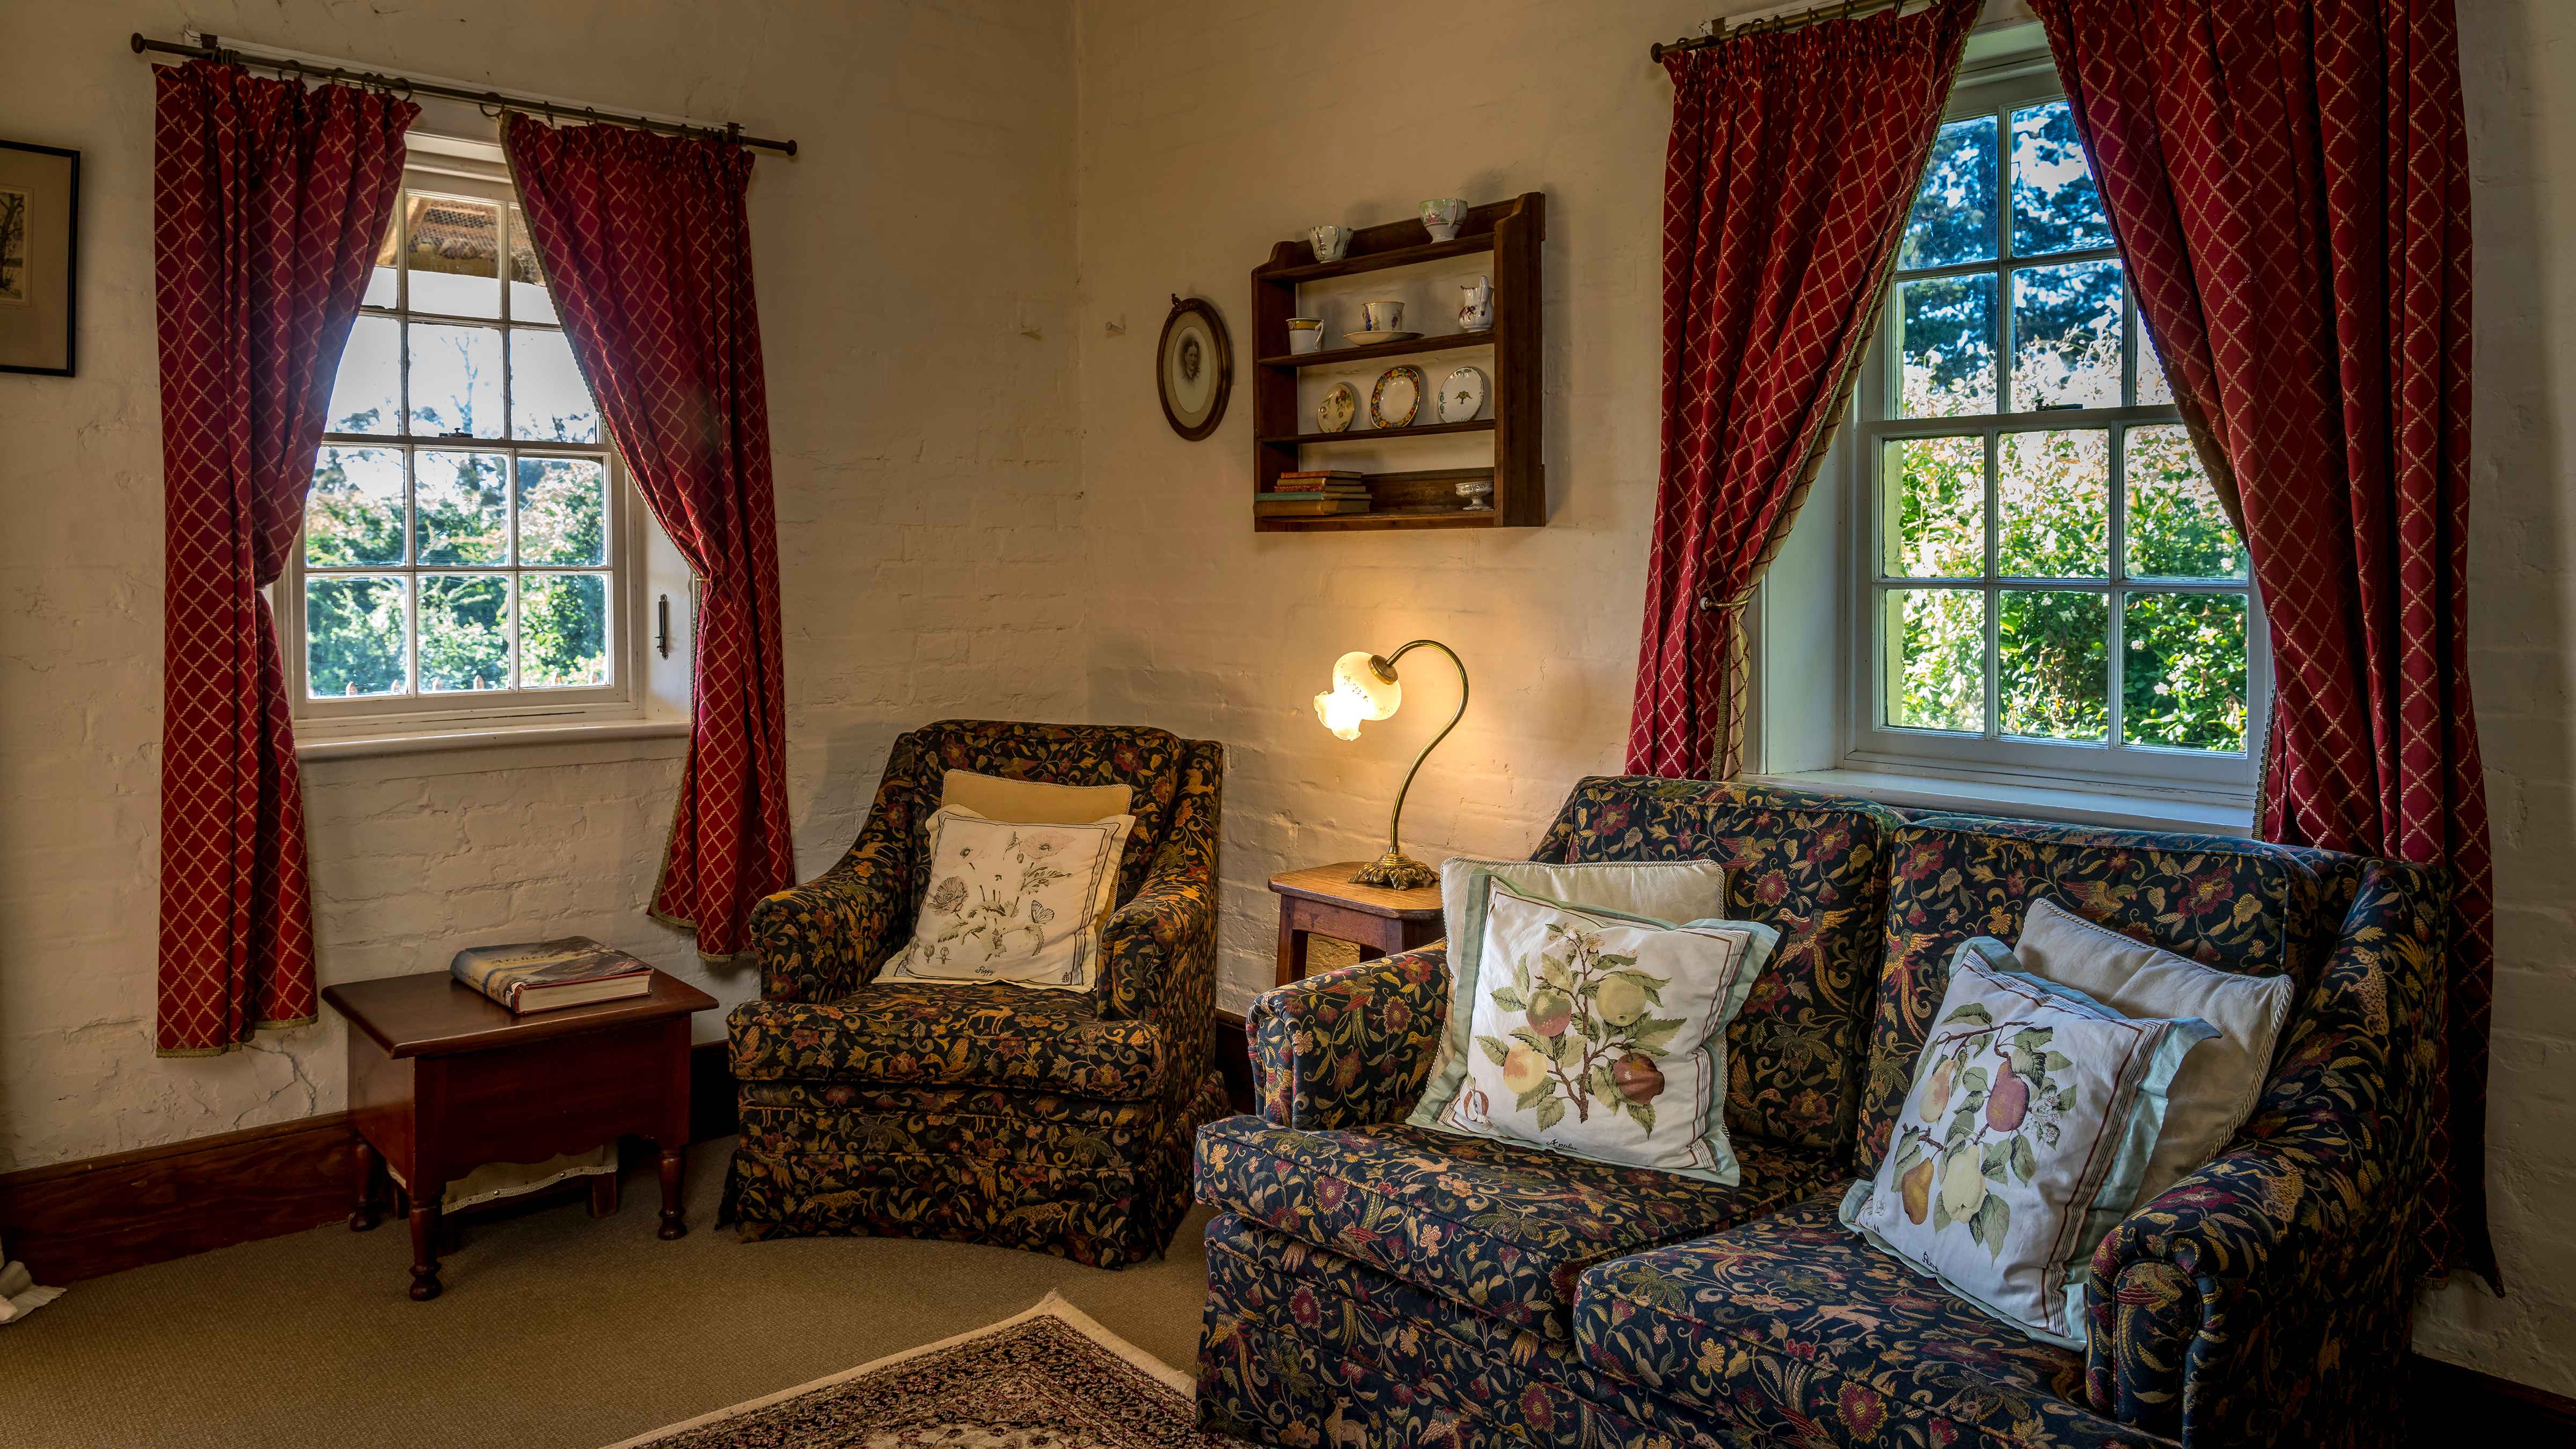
column 1476, row 303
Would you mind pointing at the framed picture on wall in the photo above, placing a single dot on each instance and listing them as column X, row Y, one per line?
column 39, row 257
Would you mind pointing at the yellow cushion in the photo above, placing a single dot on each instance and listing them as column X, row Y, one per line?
column 1032, row 802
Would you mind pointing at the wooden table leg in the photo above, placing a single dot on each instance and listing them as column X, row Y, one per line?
column 603, row 1194
column 424, row 1240
column 1293, row 942
column 365, row 1165
column 672, row 1226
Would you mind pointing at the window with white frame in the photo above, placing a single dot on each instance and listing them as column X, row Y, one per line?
column 470, row 548
column 2048, row 588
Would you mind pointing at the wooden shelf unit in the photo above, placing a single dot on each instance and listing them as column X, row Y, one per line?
column 1510, row 230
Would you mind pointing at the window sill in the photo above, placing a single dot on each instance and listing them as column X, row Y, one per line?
column 2068, row 806
column 467, row 735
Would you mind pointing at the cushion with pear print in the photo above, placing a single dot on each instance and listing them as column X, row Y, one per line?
column 2023, row 1140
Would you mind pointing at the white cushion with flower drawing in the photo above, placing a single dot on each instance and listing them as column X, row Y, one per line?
column 2022, row 1142
column 1603, row 1035
column 1013, row 902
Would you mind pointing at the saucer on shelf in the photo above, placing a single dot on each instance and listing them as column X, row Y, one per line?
column 1341, row 404
column 1367, row 339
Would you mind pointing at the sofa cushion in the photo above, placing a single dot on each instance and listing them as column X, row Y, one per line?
column 1499, row 1227
column 1792, row 1326
column 1147, row 761
column 982, row 1034
column 1813, row 867
column 2238, row 905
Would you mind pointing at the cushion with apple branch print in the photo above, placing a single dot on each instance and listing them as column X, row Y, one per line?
column 1603, row 1035
column 2023, row 1140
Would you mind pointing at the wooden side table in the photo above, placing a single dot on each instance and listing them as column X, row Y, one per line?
column 1322, row 901
column 443, row 1080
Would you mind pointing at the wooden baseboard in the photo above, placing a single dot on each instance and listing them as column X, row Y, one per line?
column 78, row 1220
column 2448, row 1404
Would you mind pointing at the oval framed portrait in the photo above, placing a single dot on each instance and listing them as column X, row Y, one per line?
column 1194, row 368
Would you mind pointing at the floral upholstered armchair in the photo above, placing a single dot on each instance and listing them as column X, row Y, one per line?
column 1051, row 1120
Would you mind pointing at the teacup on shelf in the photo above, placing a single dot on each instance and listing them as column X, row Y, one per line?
column 1330, row 242
column 1441, row 215
column 1384, row 315
column 1305, row 334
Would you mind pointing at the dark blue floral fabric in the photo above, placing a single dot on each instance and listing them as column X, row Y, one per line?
column 1371, row 1283
column 971, row 1034
column 1305, row 1347
column 1796, row 1326
column 1350, row 1047
column 1812, row 866
column 1500, row 1227
column 2236, row 904
column 1028, row 1118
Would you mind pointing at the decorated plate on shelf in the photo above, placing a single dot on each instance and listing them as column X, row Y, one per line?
column 1341, row 404
column 1396, row 398
column 1462, row 395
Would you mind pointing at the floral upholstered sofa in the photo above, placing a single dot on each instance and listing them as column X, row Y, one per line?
column 1058, row 1121
column 1380, row 1284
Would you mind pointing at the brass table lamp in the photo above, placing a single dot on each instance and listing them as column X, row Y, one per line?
column 1365, row 688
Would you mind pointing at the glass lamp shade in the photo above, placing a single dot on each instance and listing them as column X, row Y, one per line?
column 1364, row 688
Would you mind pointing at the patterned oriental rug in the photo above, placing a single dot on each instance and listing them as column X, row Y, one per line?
column 1050, row 1378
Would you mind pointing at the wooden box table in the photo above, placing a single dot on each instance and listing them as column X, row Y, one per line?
column 443, row 1080
column 1322, row 901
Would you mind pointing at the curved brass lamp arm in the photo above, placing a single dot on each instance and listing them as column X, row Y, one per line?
column 1395, row 870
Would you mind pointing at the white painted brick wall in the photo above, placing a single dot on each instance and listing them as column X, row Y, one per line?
column 928, row 500
column 1210, row 132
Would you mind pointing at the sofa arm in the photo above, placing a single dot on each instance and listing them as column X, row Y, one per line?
column 1353, row 1046
column 2265, row 1297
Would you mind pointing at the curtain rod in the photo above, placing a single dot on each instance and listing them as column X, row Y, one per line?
column 212, row 49
column 1720, row 31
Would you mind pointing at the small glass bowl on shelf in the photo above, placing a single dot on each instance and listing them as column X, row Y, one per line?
column 1478, row 493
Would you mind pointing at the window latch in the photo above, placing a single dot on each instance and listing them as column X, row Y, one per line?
column 662, row 625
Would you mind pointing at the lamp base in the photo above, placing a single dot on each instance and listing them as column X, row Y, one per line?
column 1396, row 871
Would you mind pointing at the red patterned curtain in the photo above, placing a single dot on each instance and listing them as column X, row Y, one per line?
column 647, row 247
column 2289, row 185
column 1791, row 168
column 268, row 202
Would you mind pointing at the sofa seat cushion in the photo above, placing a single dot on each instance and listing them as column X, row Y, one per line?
column 1792, row 1324
column 1502, row 1228
column 985, row 1034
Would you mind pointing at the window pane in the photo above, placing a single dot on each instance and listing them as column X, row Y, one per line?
column 1935, row 665
column 2053, row 504
column 353, row 636
column 2176, row 530
column 2055, row 205
column 529, row 299
column 455, row 381
column 355, row 514
column 380, row 282
column 464, row 517
column 366, row 396
column 563, row 511
column 2154, row 388
column 2066, row 337
column 1945, row 340
column 1935, row 524
column 2183, row 683
column 2053, row 668
column 547, row 399
column 563, row 630
column 464, row 632
column 455, row 255
column 1954, row 211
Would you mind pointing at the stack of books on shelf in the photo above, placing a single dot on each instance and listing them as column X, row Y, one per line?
column 547, row 975
column 1311, row 495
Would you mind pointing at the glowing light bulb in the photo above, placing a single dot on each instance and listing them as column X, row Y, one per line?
column 1341, row 710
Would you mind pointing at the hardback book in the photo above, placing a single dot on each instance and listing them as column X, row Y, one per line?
column 1337, row 475
column 1309, row 495
column 549, row 975
column 1302, row 508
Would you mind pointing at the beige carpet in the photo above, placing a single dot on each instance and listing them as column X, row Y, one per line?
column 555, row 1330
